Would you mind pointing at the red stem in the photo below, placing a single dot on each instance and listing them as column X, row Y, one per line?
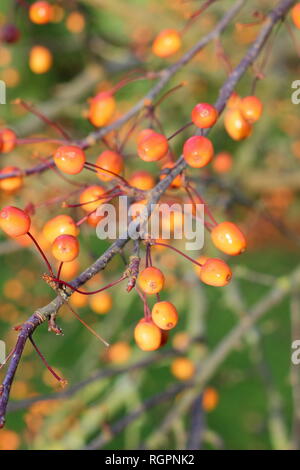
column 147, row 313
column 59, row 269
column 37, row 113
column 106, row 171
column 91, row 330
column 179, row 252
column 88, row 293
column 206, row 208
column 180, row 130
column 63, row 382
column 41, row 252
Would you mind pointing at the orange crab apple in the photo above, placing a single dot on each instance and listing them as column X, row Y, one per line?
column 251, row 108
column 215, row 272
column 13, row 183
column 60, row 225
column 14, row 221
column 91, row 198
column 151, row 280
column 166, row 43
column 204, row 115
column 228, row 238
column 147, row 335
column 237, row 127
column 102, row 108
column 111, row 161
column 65, row 248
column 164, row 315
column 69, row 159
column 40, row 12
column 8, row 140
column 198, row 151
column 152, row 147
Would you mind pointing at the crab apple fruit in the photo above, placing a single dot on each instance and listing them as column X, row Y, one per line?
column 75, row 22
column 12, row 184
column 204, row 115
column 101, row 302
column 201, row 260
column 147, row 335
column 9, row 33
column 40, row 59
column 14, row 221
column 210, row 399
column 215, row 272
column 9, row 440
column 228, row 238
column 164, row 315
column 234, row 101
column 8, row 140
column 166, row 43
column 40, row 12
column 198, row 151
column 183, row 368
column 101, row 108
column 69, row 159
column 142, row 180
column 296, row 15
column 251, row 108
column 143, row 134
column 94, row 219
column 237, row 127
column 59, row 225
column 119, row 352
column 152, row 147
column 111, row 161
column 70, row 269
column 177, row 181
column 65, row 248
column 91, row 199
column 151, row 280
column 78, row 300
column 222, row 162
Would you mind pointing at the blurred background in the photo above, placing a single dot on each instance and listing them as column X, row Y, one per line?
column 251, row 400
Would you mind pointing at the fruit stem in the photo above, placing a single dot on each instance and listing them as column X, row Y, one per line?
column 62, row 381
column 41, row 252
column 87, row 164
column 206, row 208
column 91, row 330
column 180, row 130
column 59, row 269
column 43, row 118
column 195, row 15
column 169, row 92
column 106, row 195
column 178, row 251
column 147, row 313
column 59, row 281
column 125, row 81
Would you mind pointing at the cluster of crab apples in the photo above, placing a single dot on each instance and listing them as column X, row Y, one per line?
column 62, row 231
